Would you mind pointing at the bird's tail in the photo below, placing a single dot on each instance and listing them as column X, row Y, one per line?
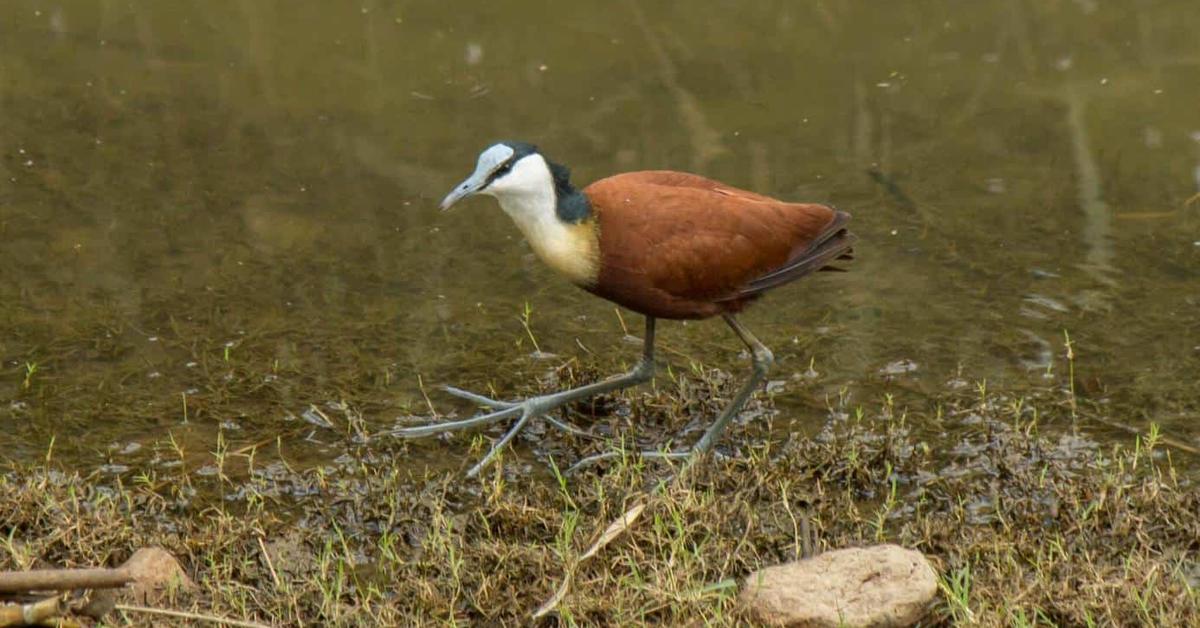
column 834, row 243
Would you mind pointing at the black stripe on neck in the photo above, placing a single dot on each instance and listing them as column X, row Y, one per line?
column 571, row 205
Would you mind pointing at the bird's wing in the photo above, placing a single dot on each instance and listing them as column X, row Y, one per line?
column 697, row 239
column 673, row 179
column 833, row 243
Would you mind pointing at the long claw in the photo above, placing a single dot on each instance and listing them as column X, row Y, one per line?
column 568, row 428
column 500, row 444
column 479, row 399
column 450, row 426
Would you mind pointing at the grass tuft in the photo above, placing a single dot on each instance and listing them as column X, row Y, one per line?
column 1027, row 526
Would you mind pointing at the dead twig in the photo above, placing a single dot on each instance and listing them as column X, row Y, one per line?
column 614, row 529
column 62, row 579
column 1129, row 429
column 33, row 612
column 223, row 621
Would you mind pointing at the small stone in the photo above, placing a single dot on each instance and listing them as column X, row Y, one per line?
column 899, row 367
column 97, row 604
column 288, row 556
column 884, row 585
column 154, row 571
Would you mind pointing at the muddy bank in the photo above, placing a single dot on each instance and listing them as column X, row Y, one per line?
column 1027, row 519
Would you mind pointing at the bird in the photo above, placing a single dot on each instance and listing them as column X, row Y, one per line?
column 665, row 244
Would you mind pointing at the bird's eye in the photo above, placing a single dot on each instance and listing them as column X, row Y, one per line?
column 503, row 169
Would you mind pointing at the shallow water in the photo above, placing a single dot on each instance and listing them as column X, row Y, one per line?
column 224, row 214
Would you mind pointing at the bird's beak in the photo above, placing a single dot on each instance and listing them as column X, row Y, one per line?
column 473, row 184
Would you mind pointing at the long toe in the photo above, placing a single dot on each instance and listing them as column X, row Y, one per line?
column 479, row 399
column 568, row 428
column 421, row 431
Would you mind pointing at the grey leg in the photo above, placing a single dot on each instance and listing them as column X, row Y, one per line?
column 536, row 406
column 762, row 360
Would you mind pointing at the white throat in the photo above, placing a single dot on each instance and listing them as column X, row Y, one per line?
column 526, row 194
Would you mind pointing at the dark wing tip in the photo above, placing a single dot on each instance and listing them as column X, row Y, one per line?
column 834, row 243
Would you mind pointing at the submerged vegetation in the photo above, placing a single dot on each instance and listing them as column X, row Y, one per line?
column 1028, row 521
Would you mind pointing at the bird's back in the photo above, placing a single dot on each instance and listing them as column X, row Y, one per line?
column 677, row 245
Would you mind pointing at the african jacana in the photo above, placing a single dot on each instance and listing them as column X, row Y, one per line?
column 665, row 244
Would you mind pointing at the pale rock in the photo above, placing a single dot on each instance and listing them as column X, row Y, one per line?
column 155, row 571
column 884, row 585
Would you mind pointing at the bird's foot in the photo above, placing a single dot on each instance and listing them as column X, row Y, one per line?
column 496, row 404
column 523, row 411
column 539, row 406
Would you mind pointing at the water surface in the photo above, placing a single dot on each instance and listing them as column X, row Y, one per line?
column 223, row 214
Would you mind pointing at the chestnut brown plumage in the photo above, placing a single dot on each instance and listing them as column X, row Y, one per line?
column 680, row 246
column 661, row 243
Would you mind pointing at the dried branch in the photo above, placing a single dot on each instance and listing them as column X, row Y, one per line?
column 33, row 612
column 62, row 579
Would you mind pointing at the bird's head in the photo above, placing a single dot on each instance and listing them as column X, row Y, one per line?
column 506, row 169
column 537, row 194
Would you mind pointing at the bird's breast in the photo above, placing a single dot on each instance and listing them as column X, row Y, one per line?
column 570, row 249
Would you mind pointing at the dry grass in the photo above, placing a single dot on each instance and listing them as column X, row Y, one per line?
column 1027, row 527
